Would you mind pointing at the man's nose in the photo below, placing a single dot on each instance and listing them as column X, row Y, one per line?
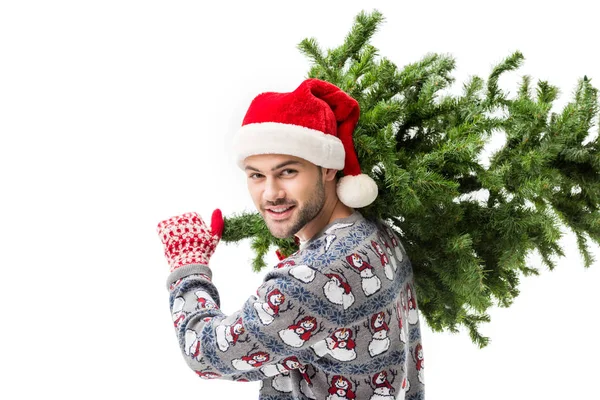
column 273, row 191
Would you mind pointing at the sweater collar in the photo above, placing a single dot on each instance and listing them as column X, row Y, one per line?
column 352, row 218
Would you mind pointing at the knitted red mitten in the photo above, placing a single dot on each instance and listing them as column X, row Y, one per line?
column 188, row 240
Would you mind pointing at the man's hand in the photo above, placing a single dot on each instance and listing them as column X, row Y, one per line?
column 188, row 240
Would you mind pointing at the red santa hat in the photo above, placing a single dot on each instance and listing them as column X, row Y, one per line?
column 314, row 122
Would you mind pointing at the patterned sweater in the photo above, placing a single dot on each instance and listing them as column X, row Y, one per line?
column 336, row 320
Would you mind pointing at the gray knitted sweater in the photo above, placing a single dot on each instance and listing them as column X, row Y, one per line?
column 336, row 320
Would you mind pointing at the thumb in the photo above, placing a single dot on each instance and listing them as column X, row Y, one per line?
column 217, row 224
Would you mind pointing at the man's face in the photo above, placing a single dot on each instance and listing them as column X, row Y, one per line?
column 288, row 191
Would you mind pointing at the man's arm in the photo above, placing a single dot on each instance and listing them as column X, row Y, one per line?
column 270, row 334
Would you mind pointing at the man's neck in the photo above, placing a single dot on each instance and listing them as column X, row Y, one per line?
column 330, row 212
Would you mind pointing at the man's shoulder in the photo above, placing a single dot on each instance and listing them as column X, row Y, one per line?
column 340, row 239
column 349, row 231
column 335, row 245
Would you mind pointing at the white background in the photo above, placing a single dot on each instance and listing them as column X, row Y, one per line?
column 115, row 115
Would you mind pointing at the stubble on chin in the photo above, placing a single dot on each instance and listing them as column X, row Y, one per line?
column 280, row 232
column 283, row 229
column 302, row 215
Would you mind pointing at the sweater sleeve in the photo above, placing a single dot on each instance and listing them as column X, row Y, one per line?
column 271, row 332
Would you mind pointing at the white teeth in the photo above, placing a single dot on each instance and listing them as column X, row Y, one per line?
column 280, row 210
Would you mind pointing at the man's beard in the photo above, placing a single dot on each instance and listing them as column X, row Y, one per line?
column 305, row 214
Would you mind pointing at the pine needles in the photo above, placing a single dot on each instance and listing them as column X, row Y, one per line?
column 467, row 227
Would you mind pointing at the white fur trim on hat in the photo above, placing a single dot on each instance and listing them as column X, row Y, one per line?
column 321, row 149
column 357, row 191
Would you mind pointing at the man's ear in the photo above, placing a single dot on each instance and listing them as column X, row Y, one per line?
column 329, row 174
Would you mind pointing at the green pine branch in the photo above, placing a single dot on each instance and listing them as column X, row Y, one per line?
column 467, row 225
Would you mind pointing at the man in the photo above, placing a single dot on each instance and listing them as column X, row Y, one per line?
column 331, row 321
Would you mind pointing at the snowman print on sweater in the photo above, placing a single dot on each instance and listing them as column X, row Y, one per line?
column 306, row 381
column 301, row 272
column 382, row 386
column 390, row 254
column 383, row 258
column 173, row 285
column 252, row 359
column 369, row 281
column 206, row 373
column 281, row 373
column 420, row 362
column 404, row 388
column 269, row 310
column 192, row 344
column 398, row 249
column 340, row 388
column 205, row 302
column 401, row 316
column 282, row 382
column 177, row 312
column 413, row 315
column 330, row 237
column 379, row 328
column 337, row 290
column 285, row 263
column 340, row 345
column 299, row 332
column 228, row 334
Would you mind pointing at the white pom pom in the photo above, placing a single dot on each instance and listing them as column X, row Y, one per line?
column 357, row 191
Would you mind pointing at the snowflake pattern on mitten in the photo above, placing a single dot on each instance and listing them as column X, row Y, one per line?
column 187, row 240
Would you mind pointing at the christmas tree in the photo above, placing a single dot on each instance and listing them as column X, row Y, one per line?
column 467, row 223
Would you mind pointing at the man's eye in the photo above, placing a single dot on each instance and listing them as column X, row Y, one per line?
column 288, row 172
column 255, row 176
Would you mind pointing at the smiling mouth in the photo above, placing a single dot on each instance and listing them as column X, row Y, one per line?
column 279, row 212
